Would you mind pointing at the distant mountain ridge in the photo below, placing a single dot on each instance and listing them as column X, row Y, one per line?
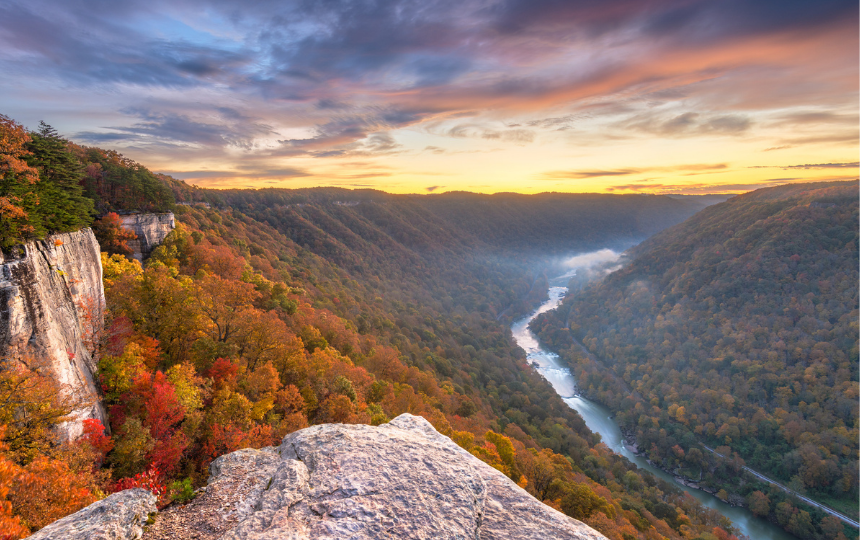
column 545, row 222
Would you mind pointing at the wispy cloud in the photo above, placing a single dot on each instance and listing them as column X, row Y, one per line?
column 693, row 188
column 811, row 166
column 228, row 81
column 697, row 168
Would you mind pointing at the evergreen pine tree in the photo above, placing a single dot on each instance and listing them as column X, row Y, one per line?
column 62, row 205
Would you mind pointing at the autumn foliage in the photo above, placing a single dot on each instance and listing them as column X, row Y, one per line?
column 244, row 327
column 113, row 237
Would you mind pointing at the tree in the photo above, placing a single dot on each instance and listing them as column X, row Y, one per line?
column 758, row 503
column 831, row 527
column 133, row 444
column 113, row 237
column 800, row 525
column 94, row 435
column 47, row 489
column 784, row 512
column 117, row 373
column 154, row 398
column 62, row 204
column 11, row 526
column 221, row 301
column 580, row 502
column 506, row 452
column 541, row 468
column 151, row 480
column 17, row 180
column 30, row 406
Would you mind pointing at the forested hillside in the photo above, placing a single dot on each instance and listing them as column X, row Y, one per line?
column 510, row 223
column 49, row 184
column 738, row 329
column 257, row 318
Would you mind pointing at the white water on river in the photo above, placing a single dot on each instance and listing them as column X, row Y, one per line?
column 599, row 419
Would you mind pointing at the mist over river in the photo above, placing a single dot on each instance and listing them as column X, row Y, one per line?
column 599, row 419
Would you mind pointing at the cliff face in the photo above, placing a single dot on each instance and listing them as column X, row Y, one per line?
column 150, row 229
column 51, row 308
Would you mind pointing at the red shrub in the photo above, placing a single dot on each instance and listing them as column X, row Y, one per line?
column 151, row 479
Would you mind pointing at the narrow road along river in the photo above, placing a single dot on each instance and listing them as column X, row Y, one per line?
column 599, row 420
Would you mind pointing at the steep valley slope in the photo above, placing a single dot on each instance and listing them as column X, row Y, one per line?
column 737, row 329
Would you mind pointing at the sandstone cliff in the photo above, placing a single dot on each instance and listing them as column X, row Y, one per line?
column 51, row 306
column 150, row 229
column 401, row 480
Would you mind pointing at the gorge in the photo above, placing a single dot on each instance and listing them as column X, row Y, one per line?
column 599, row 419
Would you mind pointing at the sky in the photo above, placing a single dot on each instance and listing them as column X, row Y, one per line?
column 428, row 96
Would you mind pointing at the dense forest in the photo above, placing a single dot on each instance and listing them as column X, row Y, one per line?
column 51, row 185
column 737, row 329
column 256, row 318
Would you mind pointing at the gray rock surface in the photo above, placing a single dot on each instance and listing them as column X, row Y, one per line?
column 151, row 229
column 400, row 480
column 121, row 516
column 51, row 304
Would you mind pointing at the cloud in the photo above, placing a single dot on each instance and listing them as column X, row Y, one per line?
column 601, row 262
column 691, row 169
column 518, row 136
column 338, row 78
column 816, row 117
column 811, row 166
column 431, row 189
column 851, row 165
column 236, row 130
column 688, row 124
column 699, row 188
column 557, row 175
column 588, row 260
column 243, row 172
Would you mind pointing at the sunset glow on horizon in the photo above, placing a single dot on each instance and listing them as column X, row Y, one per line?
column 624, row 96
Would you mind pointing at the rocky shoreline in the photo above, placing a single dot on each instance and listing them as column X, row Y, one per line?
column 631, row 445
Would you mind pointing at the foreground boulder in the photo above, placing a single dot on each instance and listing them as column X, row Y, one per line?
column 121, row 516
column 399, row 480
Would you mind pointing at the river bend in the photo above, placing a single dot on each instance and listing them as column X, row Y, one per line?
column 599, row 420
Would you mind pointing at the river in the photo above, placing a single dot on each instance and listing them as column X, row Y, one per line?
column 599, row 419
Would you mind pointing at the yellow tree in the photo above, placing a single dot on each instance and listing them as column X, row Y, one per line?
column 221, row 301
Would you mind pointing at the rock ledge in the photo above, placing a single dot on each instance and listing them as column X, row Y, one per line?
column 120, row 516
column 401, row 480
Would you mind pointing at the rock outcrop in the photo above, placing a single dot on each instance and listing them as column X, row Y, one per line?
column 151, row 229
column 51, row 306
column 399, row 480
column 121, row 516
